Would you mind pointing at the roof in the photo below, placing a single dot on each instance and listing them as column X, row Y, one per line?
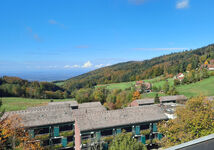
column 90, row 104
column 55, row 113
column 44, row 115
column 126, row 116
column 203, row 141
column 172, row 98
column 71, row 103
column 145, row 101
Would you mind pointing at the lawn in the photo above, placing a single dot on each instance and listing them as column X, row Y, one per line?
column 17, row 103
column 156, row 82
column 204, row 87
column 122, row 85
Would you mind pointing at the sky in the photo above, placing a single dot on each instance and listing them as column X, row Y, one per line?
column 82, row 35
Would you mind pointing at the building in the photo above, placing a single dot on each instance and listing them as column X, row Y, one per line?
column 173, row 99
column 181, row 99
column 179, row 76
column 147, row 86
column 210, row 67
column 142, row 102
column 68, row 125
column 93, row 128
column 53, row 124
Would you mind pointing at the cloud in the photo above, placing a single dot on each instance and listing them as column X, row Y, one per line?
column 181, row 4
column 87, row 64
column 34, row 35
column 82, row 46
column 137, row 2
column 99, row 65
column 54, row 22
column 73, row 66
column 160, row 49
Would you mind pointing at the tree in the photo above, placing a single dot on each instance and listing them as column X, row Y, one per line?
column 84, row 95
column 166, row 87
column 14, row 136
column 2, row 112
column 125, row 141
column 194, row 120
column 176, row 82
column 157, row 99
column 136, row 95
column 189, row 67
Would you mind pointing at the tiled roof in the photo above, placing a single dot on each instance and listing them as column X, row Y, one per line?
column 145, row 101
column 172, row 98
column 54, row 114
column 126, row 116
column 71, row 103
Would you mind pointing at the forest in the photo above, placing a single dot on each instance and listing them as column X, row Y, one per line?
column 17, row 87
column 138, row 70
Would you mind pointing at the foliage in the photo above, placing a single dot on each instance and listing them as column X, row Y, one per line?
column 84, row 95
column 157, row 99
column 145, row 132
column 136, row 95
column 108, row 138
column 13, row 135
column 42, row 137
column 171, row 64
column 67, row 133
column 125, row 141
column 166, row 87
column 14, row 86
column 70, row 144
column 1, row 112
column 193, row 121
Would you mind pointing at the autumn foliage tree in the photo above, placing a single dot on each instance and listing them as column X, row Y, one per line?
column 14, row 136
column 194, row 120
column 136, row 95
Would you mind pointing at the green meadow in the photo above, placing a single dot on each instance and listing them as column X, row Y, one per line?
column 17, row 103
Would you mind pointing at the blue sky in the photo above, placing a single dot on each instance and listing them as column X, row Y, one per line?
column 88, row 34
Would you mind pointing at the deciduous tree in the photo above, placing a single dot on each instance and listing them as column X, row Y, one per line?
column 194, row 120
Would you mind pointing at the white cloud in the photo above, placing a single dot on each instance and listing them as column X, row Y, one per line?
column 181, row 4
column 99, row 65
column 87, row 64
column 73, row 66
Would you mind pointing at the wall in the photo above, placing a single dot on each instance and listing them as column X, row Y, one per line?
column 77, row 137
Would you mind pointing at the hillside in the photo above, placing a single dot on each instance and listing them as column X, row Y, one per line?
column 147, row 69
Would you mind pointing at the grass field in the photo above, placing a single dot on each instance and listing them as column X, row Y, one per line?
column 17, row 103
column 204, row 87
column 155, row 82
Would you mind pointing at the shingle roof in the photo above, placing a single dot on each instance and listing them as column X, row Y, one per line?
column 145, row 101
column 172, row 98
column 54, row 114
column 71, row 103
column 44, row 116
column 126, row 116
column 90, row 104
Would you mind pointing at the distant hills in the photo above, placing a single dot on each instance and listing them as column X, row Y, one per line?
column 147, row 69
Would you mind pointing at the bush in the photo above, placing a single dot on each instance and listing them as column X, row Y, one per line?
column 67, row 133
